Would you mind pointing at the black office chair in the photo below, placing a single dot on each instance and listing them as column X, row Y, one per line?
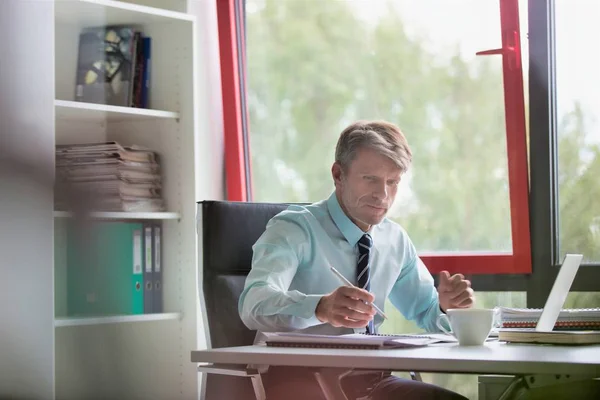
column 229, row 229
column 228, row 232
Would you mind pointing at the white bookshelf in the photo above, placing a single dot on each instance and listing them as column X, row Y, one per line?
column 78, row 111
column 114, row 319
column 114, row 356
column 122, row 215
column 100, row 12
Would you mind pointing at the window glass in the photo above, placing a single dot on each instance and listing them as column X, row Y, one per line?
column 316, row 66
column 582, row 300
column 578, row 125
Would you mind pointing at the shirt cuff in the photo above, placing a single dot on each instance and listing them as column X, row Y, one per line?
column 304, row 307
column 311, row 302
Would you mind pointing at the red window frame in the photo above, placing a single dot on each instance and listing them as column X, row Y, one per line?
column 232, row 55
column 232, row 50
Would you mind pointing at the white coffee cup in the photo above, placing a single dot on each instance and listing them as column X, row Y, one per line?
column 470, row 326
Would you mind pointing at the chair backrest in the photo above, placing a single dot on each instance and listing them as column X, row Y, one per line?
column 229, row 230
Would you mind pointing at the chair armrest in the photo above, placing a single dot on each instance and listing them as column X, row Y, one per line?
column 228, row 369
column 237, row 370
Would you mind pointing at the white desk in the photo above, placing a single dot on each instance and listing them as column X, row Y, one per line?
column 492, row 358
column 547, row 363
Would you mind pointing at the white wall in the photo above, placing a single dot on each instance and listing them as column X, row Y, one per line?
column 210, row 174
column 210, row 146
column 26, row 220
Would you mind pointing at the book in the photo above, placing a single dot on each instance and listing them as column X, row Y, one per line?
column 550, row 337
column 347, row 341
column 145, row 73
column 568, row 319
column 106, row 65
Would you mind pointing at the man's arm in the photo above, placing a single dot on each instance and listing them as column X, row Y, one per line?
column 266, row 303
column 415, row 296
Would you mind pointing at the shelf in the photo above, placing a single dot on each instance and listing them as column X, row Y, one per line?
column 110, row 12
column 75, row 110
column 122, row 215
column 116, row 319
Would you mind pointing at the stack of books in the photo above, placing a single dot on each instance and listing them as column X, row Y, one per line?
column 109, row 176
column 568, row 319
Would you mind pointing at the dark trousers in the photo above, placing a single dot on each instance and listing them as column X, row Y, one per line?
column 291, row 383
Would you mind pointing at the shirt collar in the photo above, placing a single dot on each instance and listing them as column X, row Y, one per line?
column 351, row 232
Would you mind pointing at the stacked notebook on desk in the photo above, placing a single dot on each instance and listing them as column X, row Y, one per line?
column 553, row 324
column 550, row 337
column 568, row 319
column 353, row 340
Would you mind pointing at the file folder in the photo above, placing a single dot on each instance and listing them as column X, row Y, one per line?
column 105, row 269
column 148, row 269
column 158, row 291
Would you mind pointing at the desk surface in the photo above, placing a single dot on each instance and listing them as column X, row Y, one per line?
column 492, row 358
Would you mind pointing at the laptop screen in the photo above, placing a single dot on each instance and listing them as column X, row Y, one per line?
column 559, row 292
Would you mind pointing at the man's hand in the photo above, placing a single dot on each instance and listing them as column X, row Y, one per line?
column 454, row 291
column 346, row 307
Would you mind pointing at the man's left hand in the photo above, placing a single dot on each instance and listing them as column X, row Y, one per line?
column 455, row 291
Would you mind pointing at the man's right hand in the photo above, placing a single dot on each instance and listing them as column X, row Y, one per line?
column 346, row 307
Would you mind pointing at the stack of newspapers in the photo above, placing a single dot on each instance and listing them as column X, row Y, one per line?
column 109, row 176
column 568, row 319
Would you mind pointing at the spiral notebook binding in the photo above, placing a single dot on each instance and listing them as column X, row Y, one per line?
column 526, row 309
column 324, row 345
column 398, row 335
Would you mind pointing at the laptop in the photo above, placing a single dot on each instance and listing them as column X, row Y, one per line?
column 543, row 331
column 558, row 294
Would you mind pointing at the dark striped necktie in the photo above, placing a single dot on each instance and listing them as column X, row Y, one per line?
column 363, row 276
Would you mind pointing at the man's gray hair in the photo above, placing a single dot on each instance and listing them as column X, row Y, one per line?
column 381, row 136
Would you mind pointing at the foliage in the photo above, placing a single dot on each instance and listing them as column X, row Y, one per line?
column 579, row 187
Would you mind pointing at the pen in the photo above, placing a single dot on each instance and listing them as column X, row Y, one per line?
column 347, row 282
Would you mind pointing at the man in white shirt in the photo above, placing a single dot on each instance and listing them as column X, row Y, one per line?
column 291, row 287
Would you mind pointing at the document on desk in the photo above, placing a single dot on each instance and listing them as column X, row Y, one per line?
column 348, row 341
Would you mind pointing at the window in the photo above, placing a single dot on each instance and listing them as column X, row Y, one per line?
column 578, row 129
column 464, row 200
column 311, row 70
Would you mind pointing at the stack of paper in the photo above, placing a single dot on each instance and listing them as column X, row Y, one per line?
column 350, row 341
column 111, row 176
column 568, row 319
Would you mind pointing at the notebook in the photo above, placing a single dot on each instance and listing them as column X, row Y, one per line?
column 552, row 337
column 544, row 329
column 348, row 341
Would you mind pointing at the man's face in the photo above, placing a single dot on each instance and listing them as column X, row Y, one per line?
column 367, row 189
